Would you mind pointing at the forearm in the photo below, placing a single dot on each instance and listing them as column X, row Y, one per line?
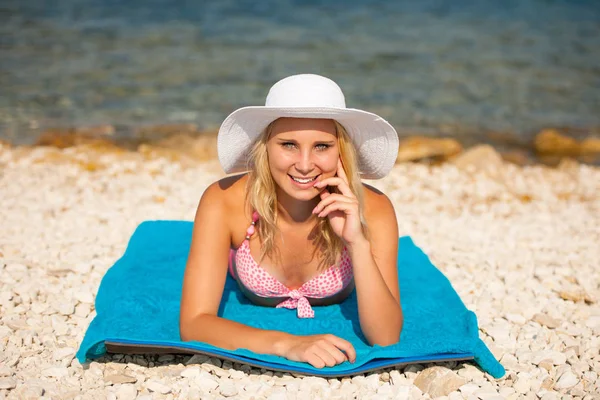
column 380, row 314
column 232, row 335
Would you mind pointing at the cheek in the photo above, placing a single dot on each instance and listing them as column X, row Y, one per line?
column 329, row 162
column 279, row 161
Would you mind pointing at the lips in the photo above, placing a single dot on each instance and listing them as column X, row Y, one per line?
column 303, row 181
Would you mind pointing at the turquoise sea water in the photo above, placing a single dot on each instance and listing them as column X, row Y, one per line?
column 428, row 66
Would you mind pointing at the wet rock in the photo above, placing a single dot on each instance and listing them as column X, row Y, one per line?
column 64, row 138
column 418, row 148
column 552, row 142
column 590, row 145
column 438, row 381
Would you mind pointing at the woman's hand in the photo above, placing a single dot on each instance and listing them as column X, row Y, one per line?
column 341, row 209
column 318, row 350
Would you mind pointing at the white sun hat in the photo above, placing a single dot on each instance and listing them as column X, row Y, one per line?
column 309, row 96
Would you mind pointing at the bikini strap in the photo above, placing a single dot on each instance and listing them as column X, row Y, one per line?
column 250, row 231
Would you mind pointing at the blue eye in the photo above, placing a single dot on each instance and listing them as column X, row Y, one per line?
column 319, row 147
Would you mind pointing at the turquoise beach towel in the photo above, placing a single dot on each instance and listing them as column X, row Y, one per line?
column 137, row 311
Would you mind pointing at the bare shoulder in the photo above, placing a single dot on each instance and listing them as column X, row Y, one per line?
column 226, row 192
column 378, row 206
column 227, row 197
column 229, row 187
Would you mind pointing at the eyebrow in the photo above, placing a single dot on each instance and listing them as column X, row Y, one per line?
column 316, row 142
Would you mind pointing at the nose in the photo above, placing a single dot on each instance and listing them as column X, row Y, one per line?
column 305, row 164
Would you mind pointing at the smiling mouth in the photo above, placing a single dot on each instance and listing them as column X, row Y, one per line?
column 300, row 180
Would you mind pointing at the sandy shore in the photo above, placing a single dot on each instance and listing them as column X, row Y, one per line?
column 519, row 244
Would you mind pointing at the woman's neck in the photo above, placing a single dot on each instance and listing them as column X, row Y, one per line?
column 296, row 212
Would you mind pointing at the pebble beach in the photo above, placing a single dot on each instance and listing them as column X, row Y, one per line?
column 520, row 245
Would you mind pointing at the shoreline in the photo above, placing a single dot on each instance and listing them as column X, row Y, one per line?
column 518, row 244
column 548, row 147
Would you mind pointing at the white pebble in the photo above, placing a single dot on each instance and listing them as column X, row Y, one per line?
column 157, row 387
column 567, row 380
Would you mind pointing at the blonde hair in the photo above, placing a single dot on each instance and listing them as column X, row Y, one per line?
column 261, row 196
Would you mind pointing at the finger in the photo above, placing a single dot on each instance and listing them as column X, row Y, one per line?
column 316, row 361
column 344, row 345
column 330, row 199
column 324, row 194
column 336, row 353
column 325, row 355
column 338, row 182
column 347, row 208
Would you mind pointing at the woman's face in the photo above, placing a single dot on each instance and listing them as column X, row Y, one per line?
column 302, row 151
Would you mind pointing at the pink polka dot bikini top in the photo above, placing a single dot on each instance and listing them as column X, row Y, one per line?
column 259, row 281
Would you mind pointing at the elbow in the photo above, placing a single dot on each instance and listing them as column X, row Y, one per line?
column 390, row 336
column 184, row 331
column 188, row 327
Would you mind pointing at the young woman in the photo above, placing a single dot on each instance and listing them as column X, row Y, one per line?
column 299, row 228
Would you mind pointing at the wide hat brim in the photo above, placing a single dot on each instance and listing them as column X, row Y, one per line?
column 375, row 140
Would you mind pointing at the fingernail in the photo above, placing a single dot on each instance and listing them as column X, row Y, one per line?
column 314, row 209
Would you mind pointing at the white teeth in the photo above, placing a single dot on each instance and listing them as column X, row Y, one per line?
column 303, row 180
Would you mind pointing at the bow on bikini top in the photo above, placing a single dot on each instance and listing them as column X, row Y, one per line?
column 259, row 281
